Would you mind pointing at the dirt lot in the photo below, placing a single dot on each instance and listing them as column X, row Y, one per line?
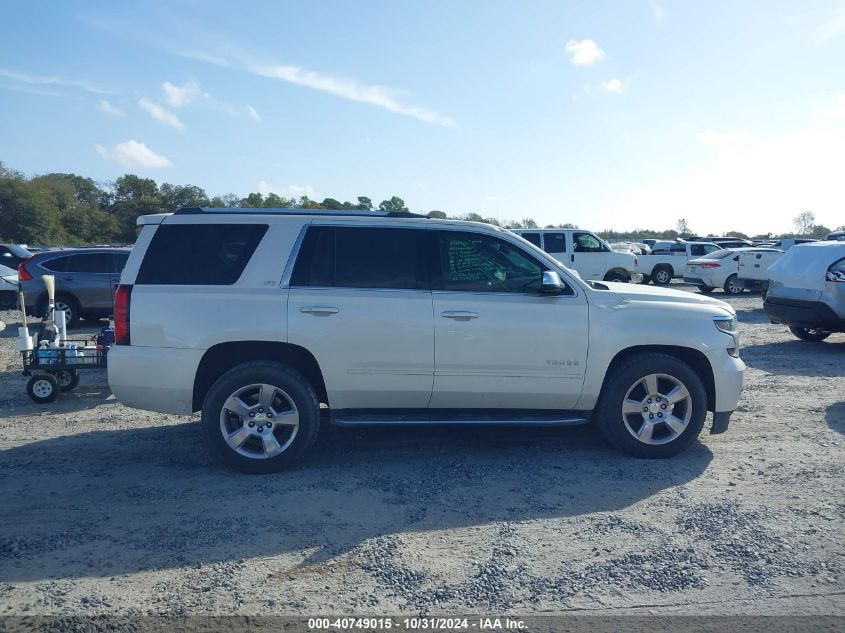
column 107, row 509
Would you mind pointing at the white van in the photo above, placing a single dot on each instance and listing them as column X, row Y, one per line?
column 584, row 252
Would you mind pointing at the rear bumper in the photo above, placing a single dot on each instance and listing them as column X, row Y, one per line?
column 752, row 284
column 696, row 281
column 154, row 378
column 803, row 313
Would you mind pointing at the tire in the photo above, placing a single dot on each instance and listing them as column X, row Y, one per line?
column 627, row 380
column 68, row 379
column 706, row 289
column 239, row 397
column 661, row 276
column 646, row 279
column 42, row 388
column 65, row 302
column 763, row 293
column 731, row 286
column 809, row 334
column 616, row 277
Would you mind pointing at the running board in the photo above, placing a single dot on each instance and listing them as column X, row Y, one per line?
column 386, row 417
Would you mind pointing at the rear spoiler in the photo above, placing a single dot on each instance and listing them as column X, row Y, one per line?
column 154, row 218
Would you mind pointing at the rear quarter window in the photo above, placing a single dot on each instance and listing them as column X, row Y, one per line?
column 199, row 254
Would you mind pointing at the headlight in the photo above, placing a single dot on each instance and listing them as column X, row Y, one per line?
column 726, row 324
column 837, row 271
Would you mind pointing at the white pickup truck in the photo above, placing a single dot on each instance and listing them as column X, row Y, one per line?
column 753, row 268
column 585, row 253
column 665, row 264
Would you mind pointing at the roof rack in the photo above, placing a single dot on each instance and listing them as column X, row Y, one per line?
column 262, row 211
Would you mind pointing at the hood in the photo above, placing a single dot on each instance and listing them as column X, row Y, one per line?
column 804, row 265
column 644, row 293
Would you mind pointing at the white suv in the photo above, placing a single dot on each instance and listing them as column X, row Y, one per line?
column 258, row 317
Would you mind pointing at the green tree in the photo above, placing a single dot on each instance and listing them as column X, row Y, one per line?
column 738, row 234
column 27, row 214
column 819, row 231
column 331, row 203
column 804, row 222
column 364, row 203
column 132, row 196
column 175, row 197
column 395, row 204
column 437, row 214
column 253, row 201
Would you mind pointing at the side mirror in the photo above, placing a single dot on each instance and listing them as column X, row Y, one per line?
column 551, row 282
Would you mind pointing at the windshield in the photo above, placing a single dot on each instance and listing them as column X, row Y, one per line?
column 17, row 250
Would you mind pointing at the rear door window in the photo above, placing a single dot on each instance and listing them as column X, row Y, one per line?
column 199, row 254
column 89, row 263
column 365, row 257
column 56, row 265
column 555, row 242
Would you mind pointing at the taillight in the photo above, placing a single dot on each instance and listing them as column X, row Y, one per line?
column 709, row 265
column 122, row 302
column 23, row 273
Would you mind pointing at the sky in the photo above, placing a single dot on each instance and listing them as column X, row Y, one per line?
column 605, row 114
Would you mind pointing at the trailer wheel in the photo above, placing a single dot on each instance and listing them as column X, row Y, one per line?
column 67, row 378
column 43, row 388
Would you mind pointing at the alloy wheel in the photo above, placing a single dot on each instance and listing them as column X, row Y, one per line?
column 657, row 409
column 259, row 421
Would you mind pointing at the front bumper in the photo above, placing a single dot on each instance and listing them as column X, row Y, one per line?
column 803, row 313
column 728, row 377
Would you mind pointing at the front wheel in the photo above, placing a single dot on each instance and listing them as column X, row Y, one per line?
column 260, row 417
column 652, row 406
column 43, row 388
column 732, row 286
column 809, row 333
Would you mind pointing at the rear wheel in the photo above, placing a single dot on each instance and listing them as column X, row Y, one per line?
column 63, row 302
column 809, row 333
column 260, row 417
column 661, row 276
column 732, row 287
column 67, row 379
column 652, row 406
column 614, row 276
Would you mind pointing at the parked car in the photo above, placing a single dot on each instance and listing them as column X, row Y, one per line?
column 665, row 264
column 584, row 252
column 13, row 254
column 727, row 242
column 787, row 243
column 86, row 279
column 754, row 266
column 256, row 317
column 650, row 242
column 8, row 288
column 715, row 270
column 807, row 290
column 837, row 236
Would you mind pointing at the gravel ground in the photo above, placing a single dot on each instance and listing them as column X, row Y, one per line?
column 107, row 509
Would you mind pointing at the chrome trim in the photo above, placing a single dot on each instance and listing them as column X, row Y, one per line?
column 570, row 421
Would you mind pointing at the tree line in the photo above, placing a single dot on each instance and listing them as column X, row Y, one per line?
column 70, row 209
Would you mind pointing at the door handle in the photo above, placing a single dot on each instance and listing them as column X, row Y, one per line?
column 572, row 258
column 321, row 310
column 459, row 314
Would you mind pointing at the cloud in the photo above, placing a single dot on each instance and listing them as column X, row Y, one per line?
column 352, row 90
column 180, row 96
column 134, row 154
column 161, row 114
column 253, row 113
column 584, row 52
column 52, row 80
column 711, row 137
column 658, row 12
column 290, row 191
column 110, row 110
column 612, row 85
